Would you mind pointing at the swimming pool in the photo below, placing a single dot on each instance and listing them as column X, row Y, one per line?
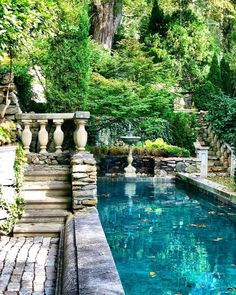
column 167, row 238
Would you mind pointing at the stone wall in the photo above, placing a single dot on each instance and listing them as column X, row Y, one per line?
column 147, row 166
column 114, row 166
column 169, row 166
column 13, row 108
column 84, row 181
column 48, row 159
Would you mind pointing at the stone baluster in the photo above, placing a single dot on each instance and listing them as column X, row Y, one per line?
column 26, row 135
column 80, row 134
column 233, row 163
column 43, row 136
column 58, row 135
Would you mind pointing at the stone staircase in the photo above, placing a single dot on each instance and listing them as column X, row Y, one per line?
column 47, row 195
column 216, row 167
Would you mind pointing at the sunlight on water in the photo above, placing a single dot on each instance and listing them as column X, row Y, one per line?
column 166, row 239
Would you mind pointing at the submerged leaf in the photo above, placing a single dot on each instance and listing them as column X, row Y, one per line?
column 218, row 239
column 152, row 274
column 197, row 225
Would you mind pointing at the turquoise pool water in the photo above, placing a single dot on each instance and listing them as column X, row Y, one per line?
column 167, row 239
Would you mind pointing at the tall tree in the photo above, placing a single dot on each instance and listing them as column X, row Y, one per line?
column 215, row 74
column 158, row 22
column 226, row 76
column 107, row 15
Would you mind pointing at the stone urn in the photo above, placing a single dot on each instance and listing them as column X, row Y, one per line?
column 7, row 160
column 7, row 173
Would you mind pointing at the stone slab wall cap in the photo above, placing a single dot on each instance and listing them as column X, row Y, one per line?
column 46, row 116
column 82, row 115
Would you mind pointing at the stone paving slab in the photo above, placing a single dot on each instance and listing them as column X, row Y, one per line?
column 28, row 265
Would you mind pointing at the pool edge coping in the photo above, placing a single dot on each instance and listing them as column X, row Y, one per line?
column 91, row 270
column 219, row 190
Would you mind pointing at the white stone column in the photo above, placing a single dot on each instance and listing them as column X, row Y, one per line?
column 202, row 155
column 43, row 136
column 26, row 135
column 80, row 134
column 58, row 135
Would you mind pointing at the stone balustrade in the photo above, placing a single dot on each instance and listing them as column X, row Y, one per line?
column 223, row 150
column 58, row 119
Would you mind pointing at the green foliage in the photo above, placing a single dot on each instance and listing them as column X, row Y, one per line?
column 20, row 160
column 20, row 20
column 166, row 149
column 66, row 60
column 14, row 210
column 155, row 151
column 222, row 114
column 204, row 95
column 183, row 130
column 226, row 77
column 214, row 75
column 7, row 132
column 158, row 23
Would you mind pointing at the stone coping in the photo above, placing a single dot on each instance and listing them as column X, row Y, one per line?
column 88, row 265
column 140, row 179
column 220, row 191
column 45, row 116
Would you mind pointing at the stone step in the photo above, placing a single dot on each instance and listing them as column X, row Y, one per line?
column 37, row 229
column 48, row 203
column 44, row 216
column 218, row 174
column 45, row 189
column 218, row 169
column 47, row 173
column 213, row 158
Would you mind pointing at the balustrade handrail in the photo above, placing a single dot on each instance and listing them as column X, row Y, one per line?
column 222, row 145
column 80, row 134
column 45, row 116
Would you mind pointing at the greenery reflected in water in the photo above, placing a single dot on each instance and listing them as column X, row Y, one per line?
column 165, row 239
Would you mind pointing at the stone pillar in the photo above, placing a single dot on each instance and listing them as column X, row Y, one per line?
column 43, row 136
column 26, row 135
column 232, row 163
column 202, row 155
column 58, row 135
column 80, row 134
column 84, row 181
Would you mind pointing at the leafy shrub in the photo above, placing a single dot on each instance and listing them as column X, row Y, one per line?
column 166, row 149
column 203, row 96
column 158, row 148
column 183, row 131
column 222, row 116
column 7, row 132
column 14, row 210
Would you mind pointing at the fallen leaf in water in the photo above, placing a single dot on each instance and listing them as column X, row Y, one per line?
column 233, row 264
column 197, row 225
column 178, row 294
column 152, row 274
column 144, row 220
column 231, row 289
column 231, row 213
column 211, row 212
column 218, row 239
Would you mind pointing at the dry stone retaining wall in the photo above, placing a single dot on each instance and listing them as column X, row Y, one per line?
column 84, row 180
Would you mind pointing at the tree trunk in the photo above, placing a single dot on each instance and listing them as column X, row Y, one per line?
column 106, row 20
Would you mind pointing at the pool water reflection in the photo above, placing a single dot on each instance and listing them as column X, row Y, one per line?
column 166, row 239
